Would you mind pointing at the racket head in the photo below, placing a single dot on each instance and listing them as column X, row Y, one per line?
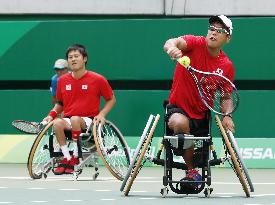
column 219, row 94
column 26, row 126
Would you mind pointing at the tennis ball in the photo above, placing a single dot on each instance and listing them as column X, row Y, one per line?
column 184, row 61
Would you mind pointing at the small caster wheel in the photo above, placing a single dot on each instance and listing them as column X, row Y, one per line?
column 75, row 176
column 164, row 192
column 207, row 192
column 95, row 176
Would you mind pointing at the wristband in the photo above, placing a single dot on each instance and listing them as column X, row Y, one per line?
column 53, row 114
column 228, row 116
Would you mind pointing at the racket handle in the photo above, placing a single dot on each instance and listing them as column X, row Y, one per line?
column 44, row 123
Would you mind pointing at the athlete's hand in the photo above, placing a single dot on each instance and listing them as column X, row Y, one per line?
column 174, row 52
column 99, row 119
column 228, row 123
column 48, row 119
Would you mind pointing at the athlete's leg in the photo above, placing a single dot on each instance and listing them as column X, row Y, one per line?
column 59, row 126
column 179, row 123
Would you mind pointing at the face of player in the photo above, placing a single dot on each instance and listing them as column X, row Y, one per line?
column 76, row 60
column 217, row 36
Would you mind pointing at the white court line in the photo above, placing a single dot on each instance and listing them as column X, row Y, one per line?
column 103, row 190
column 259, row 195
column 6, row 202
column 3, row 187
column 73, row 200
column 149, row 198
column 68, row 189
column 112, row 180
column 15, row 178
column 107, row 199
column 39, row 201
column 36, row 188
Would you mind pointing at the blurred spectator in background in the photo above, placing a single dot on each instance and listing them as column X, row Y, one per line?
column 60, row 68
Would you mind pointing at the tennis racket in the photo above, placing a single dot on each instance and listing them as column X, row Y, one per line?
column 28, row 127
column 217, row 92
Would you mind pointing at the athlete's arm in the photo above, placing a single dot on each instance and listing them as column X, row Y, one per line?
column 174, row 47
column 105, row 110
column 57, row 109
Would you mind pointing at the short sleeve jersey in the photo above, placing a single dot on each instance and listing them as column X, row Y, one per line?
column 184, row 93
column 81, row 97
column 53, row 85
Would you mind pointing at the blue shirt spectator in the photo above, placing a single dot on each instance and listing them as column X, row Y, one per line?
column 60, row 68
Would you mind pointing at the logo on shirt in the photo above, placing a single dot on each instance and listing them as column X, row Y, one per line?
column 84, row 87
column 219, row 71
column 69, row 87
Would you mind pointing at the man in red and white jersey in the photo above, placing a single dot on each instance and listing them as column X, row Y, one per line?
column 186, row 111
column 78, row 95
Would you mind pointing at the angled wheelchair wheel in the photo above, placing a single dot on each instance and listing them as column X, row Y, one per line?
column 39, row 160
column 235, row 158
column 112, row 149
column 139, row 162
column 137, row 151
column 237, row 152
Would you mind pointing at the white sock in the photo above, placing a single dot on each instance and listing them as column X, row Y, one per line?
column 75, row 149
column 65, row 151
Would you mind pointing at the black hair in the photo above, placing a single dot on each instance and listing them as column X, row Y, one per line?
column 77, row 47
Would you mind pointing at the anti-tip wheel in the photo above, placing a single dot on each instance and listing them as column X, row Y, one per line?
column 95, row 176
column 164, row 192
column 207, row 192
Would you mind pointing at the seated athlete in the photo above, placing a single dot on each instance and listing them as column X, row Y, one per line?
column 78, row 95
column 189, row 112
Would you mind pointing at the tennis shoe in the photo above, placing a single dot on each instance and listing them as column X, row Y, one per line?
column 72, row 162
column 193, row 175
column 60, row 169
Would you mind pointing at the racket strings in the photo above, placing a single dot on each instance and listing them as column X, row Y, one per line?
column 219, row 94
column 27, row 127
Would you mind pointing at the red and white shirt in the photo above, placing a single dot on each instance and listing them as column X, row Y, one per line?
column 81, row 97
column 184, row 93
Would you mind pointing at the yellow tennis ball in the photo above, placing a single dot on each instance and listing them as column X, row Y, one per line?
column 184, row 61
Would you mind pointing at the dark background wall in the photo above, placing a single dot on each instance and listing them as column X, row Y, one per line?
column 129, row 53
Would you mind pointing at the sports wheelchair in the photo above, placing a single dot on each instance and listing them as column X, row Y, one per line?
column 104, row 141
column 204, row 157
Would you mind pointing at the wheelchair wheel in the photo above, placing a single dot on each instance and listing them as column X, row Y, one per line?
column 141, row 160
column 235, row 162
column 112, row 149
column 137, row 151
column 39, row 160
column 237, row 151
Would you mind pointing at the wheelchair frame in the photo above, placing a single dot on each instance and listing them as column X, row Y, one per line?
column 202, row 153
column 209, row 158
column 45, row 153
